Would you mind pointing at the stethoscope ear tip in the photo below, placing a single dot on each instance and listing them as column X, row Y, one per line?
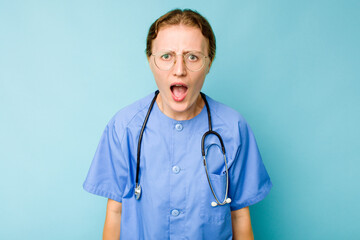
column 214, row 204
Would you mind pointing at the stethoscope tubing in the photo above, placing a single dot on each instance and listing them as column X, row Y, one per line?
column 209, row 132
column 137, row 186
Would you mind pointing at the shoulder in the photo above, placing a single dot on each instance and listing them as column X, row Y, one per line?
column 231, row 125
column 225, row 114
column 130, row 115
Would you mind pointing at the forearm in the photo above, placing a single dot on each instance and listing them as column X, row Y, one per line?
column 241, row 224
column 112, row 221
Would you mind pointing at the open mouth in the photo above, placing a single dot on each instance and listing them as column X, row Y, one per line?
column 179, row 91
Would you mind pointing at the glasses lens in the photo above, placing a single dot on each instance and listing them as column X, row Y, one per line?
column 164, row 60
column 194, row 61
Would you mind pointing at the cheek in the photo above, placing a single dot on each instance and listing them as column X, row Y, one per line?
column 200, row 80
column 160, row 78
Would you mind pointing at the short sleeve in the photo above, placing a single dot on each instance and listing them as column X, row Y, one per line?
column 249, row 180
column 108, row 171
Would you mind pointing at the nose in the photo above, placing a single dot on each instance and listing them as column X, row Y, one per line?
column 180, row 67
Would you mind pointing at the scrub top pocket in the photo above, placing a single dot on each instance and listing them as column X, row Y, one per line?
column 217, row 175
column 218, row 214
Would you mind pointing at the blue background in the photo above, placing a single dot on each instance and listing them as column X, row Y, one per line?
column 290, row 67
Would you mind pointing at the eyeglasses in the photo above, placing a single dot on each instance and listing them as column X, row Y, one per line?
column 165, row 60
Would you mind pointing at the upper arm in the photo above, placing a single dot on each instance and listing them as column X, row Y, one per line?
column 108, row 173
column 114, row 206
column 249, row 180
column 112, row 220
column 241, row 224
column 241, row 213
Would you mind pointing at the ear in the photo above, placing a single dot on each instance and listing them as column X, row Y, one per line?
column 209, row 67
column 149, row 62
column 151, row 65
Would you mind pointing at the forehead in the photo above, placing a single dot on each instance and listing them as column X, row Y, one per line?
column 180, row 38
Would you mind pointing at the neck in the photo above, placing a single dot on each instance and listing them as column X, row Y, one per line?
column 187, row 114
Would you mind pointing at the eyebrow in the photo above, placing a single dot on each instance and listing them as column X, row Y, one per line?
column 185, row 52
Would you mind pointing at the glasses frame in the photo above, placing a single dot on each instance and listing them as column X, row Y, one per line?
column 183, row 54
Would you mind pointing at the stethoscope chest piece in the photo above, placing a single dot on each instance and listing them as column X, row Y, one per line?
column 137, row 192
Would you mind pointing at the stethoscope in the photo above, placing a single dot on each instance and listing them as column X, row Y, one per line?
column 209, row 132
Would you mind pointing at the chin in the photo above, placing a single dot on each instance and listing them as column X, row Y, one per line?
column 179, row 107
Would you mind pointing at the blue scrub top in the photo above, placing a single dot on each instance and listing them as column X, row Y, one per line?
column 176, row 198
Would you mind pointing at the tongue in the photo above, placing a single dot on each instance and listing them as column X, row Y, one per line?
column 178, row 91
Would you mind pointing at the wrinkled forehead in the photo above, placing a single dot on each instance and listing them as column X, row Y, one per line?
column 180, row 38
